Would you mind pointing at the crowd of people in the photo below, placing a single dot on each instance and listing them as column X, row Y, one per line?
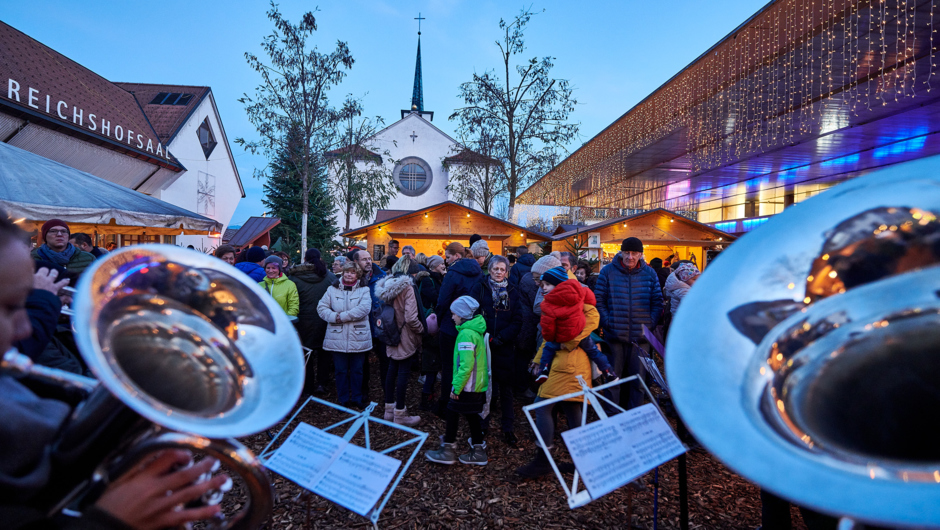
column 480, row 330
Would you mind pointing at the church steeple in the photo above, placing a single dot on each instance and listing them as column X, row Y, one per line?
column 417, row 93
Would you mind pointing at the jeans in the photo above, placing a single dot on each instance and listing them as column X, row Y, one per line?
column 448, row 344
column 546, row 424
column 453, row 420
column 349, row 376
column 396, row 382
column 626, row 363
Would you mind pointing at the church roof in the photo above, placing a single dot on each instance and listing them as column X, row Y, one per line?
column 469, row 158
column 417, row 92
column 358, row 152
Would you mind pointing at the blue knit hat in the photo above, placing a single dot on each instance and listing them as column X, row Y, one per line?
column 255, row 254
column 555, row 275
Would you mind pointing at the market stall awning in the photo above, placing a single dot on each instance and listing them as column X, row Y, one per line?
column 35, row 189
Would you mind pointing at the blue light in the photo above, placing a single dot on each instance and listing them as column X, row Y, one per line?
column 727, row 226
column 841, row 161
column 751, row 224
column 913, row 140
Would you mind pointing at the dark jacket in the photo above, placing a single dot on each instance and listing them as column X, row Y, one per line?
column 253, row 270
column 522, row 268
column 627, row 299
column 377, row 274
column 43, row 309
column 463, row 278
column 310, row 288
column 663, row 274
column 503, row 327
column 429, row 286
column 526, row 342
column 77, row 264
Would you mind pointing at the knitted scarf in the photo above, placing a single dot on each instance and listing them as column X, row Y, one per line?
column 500, row 294
column 59, row 258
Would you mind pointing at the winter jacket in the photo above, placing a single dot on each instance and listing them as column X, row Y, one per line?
column 77, row 264
column 255, row 271
column 352, row 304
column 470, row 370
column 563, row 311
column 569, row 362
column 676, row 290
column 463, row 278
column 310, row 288
column 528, row 290
column 663, row 274
column 522, row 268
column 627, row 299
column 377, row 274
column 400, row 293
column 429, row 285
column 284, row 293
column 43, row 309
column 503, row 327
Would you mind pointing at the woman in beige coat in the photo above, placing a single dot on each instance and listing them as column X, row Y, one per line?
column 398, row 291
column 345, row 308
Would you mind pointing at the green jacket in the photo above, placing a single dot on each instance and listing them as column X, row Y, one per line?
column 284, row 292
column 470, row 370
column 79, row 261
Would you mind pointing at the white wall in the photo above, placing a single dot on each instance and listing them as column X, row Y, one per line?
column 430, row 145
column 184, row 191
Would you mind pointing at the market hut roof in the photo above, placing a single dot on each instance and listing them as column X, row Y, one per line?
column 650, row 218
column 253, row 228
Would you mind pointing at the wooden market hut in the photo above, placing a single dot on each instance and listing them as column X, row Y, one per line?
column 662, row 231
column 429, row 230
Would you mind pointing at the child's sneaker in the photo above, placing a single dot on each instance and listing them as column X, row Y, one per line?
column 445, row 454
column 543, row 375
column 476, row 456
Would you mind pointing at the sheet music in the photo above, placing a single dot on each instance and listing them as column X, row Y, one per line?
column 357, row 479
column 653, row 369
column 306, row 454
column 610, row 453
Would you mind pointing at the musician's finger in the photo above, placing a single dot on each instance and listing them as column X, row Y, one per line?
column 194, row 491
column 180, row 478
column 165, row 462
column 172, row 519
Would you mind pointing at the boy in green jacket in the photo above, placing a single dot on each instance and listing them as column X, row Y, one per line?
column 470, row 383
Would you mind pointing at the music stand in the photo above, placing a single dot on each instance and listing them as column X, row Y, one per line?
column 591, row 398
column 356, row 421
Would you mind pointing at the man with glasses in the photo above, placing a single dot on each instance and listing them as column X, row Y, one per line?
column 55, row 248
column 628, row 296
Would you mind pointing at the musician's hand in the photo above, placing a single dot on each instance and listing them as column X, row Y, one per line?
column 152, row 495
column 45, row 279
column 453, row 396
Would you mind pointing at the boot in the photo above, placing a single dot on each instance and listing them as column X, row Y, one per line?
column 538, row 467
column 426, row 402
column 402, row 417
column 445, row 454
column 389, row 412
column 476, row 456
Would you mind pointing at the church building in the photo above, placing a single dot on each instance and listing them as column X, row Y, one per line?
column 422, row 154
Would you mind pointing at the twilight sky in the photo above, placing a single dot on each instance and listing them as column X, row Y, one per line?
column 614, row 52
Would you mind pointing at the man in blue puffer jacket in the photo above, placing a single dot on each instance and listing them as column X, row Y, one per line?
column 628, row 296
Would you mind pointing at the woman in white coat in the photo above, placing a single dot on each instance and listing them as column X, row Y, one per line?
column 345, row 309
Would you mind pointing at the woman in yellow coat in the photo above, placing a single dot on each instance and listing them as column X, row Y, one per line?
column 283, row 291
column 570, row 361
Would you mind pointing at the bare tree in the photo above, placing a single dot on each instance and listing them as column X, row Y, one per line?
column 528, row 111
column 475, row 172
column 293, row 95
column 359, row 179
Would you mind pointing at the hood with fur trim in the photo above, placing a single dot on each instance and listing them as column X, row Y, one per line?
column 390, row 287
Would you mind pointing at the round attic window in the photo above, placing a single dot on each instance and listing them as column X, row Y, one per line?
column 413, row 176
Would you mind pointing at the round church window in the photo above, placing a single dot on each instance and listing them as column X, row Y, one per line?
column 413, row 176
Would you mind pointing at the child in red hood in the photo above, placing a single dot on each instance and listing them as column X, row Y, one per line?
column 563, row 307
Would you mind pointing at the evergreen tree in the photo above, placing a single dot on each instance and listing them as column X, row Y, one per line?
column 283, row 192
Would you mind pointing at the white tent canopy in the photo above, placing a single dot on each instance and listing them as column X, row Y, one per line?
column 36, row 189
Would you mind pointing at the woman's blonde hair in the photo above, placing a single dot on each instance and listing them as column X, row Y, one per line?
column 402, row 265
column 421, row 259
column 352, row 266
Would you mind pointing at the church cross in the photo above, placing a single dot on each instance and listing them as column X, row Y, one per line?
column 413, row 136
column 419, row 19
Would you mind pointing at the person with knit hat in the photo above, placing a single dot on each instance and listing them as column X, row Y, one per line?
column 481, row 253
column 469, row 383
column 429, row 287
column 564, row 305
column 57, row 249
column 530, row 298
column 279, row 287
column 628, row 296
column 679, row 282
column 312, row 280
column 253, row 264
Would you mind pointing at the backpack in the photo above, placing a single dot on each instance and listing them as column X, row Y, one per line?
column 384, row 326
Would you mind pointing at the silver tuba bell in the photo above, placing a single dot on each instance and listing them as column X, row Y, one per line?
column 188, row 353
column 807, row 357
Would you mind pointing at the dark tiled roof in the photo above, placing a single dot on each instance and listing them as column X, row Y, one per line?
column 359, row 152
column 35, row 65
column 165, row 119
column 471, row 158
column 385, row 215
column 229, row 234
column 253, row 228
column 567, row 228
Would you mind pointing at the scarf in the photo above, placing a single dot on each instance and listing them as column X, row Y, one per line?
column 59, row 258
column 500, row 294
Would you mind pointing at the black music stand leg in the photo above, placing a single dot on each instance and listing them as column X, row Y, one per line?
column 683, row 482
